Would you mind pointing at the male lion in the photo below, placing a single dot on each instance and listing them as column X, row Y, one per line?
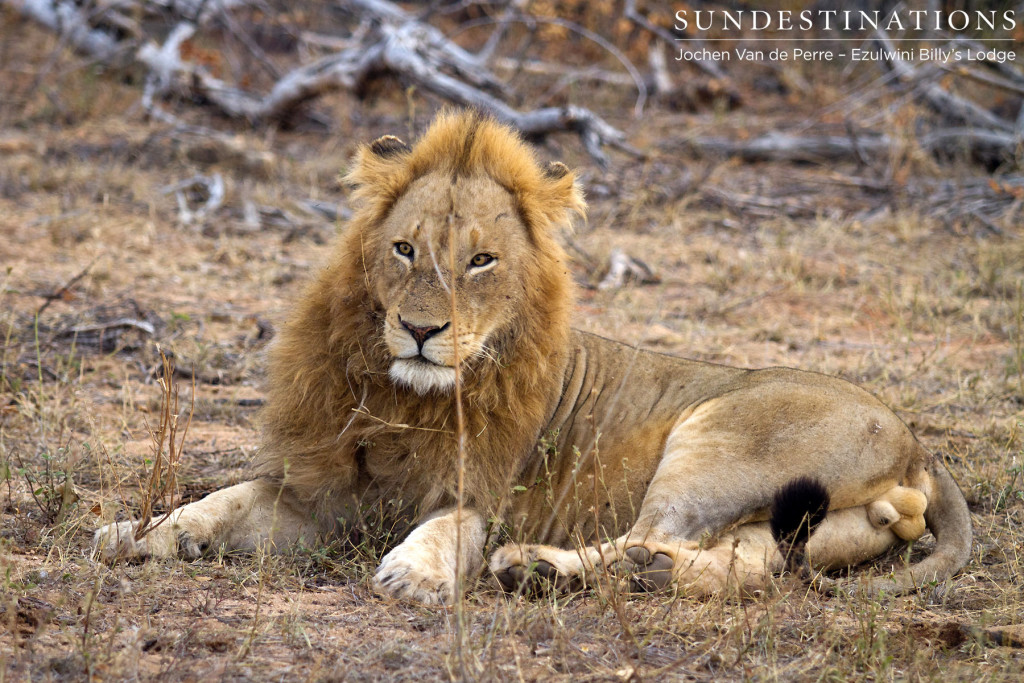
column 449, row 288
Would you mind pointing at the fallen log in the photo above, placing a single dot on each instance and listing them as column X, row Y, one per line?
column 987, row 145
column 71, row 23
column 952, row 107
column 409, row 49
column 396, row 43
column 777, row 146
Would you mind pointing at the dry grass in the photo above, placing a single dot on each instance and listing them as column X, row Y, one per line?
column 929, row 317
column 160, row 488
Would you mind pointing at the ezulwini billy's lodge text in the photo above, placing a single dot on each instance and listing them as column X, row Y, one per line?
column 856, row 54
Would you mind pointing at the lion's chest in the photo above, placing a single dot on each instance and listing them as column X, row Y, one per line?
column 404, row 463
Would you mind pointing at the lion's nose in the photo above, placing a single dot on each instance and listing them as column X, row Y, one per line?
column 422, row 334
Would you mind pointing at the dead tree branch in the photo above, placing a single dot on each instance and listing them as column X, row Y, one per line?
column 205, row 192
column 623, row 268
column 976, row 50
column 777, row 146
column 97, row 32
column 390, row 41
column 972, row 128
column 400, row 45
column 710, row 67
column 71, row 23
column 955, row 109
column 1015, row 87
column 574, row 74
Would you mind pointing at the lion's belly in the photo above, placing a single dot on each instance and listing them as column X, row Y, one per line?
column 604, row 443
column 595, row 493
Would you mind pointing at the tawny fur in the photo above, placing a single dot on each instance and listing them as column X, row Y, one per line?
column 567, row 436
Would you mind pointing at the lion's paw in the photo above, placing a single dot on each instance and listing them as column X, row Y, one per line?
column 117, row 542
column 408, row 575
column 647, row 569
column 537, row 568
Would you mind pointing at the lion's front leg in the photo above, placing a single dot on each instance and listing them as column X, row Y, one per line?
column 240, row 517
column 423, row 566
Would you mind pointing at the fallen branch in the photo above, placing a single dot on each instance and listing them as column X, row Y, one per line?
column 106, row 336
column 761, row 206
column 708, row 66
column 985, row 200
column 390, row 41
column 50, row 298
column 1015, row 87
column 211, row 186
column 989, row 201
column 561, row 70
column 436, row 44
column 659, row 69
column 109, row 28
column 954, row 108
column 412, row 50
column 143, row 326
column 776, row 146
column 163, row 62
column 976, row 50
column 623, row 268
column 71, row 23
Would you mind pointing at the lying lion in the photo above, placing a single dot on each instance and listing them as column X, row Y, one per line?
column 448, row 288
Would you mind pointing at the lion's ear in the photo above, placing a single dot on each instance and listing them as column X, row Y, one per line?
column 378, row 165
column 555, row 170
column 563, row 196
column 389, row 146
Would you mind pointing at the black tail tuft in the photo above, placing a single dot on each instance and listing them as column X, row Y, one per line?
column 797, row 509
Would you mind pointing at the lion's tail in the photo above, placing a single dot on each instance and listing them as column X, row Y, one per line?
column 949, row 520
column 798, row 508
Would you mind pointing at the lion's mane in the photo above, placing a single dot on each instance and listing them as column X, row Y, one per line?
column 329, row 396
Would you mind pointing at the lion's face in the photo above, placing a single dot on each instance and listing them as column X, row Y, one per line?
column 451, row 262
column 455, row 242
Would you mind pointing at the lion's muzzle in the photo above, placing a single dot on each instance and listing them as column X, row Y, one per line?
column 421, row 334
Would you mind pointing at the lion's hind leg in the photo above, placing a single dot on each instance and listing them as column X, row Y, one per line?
column 743, row 561
column 799, row 535
column 901, row 509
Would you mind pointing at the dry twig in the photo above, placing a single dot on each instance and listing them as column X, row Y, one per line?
column 50, row 298
column 622, row 268
column 211, row 191
column 168, row 446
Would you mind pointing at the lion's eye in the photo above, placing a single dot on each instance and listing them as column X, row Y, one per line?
column 481, row 260
column 404, row 249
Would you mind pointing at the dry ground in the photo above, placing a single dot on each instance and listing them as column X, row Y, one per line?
column 928, row 316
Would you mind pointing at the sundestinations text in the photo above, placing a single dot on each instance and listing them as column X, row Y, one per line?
column 845, row 20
